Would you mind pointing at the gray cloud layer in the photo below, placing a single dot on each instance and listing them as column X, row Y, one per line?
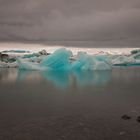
column 69, row 19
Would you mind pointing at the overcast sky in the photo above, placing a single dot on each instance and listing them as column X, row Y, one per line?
column 69, row 20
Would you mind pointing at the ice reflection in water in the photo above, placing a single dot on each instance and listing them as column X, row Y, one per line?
column 97, row 78
column 65, row 79
column 62, row 79
column 78, row 78
column 8, row 75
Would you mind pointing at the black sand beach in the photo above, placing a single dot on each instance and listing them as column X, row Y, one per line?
column 63, row 106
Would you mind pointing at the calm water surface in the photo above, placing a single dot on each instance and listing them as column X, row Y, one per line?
column 72, row 106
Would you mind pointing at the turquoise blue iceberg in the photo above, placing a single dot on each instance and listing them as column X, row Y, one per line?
column 63, row 59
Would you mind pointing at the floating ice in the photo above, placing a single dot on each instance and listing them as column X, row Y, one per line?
column 89, row 62
column 15, row 51
column 123, row 60
column 130, row 60
column 26, row 65
column 61, row 60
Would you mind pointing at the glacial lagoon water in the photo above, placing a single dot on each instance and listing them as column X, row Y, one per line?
column 70, row 105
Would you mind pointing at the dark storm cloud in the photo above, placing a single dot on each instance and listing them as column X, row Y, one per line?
column 69, row 19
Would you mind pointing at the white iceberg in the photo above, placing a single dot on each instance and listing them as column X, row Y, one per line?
column 126, row 60
column 123, row 60
column 26, row 65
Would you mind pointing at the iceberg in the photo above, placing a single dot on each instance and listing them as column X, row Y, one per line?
column 129, row 60
column 26, row 65
column 15, row 51
column 89, row 62
column 61, row 60
column 123, row 60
